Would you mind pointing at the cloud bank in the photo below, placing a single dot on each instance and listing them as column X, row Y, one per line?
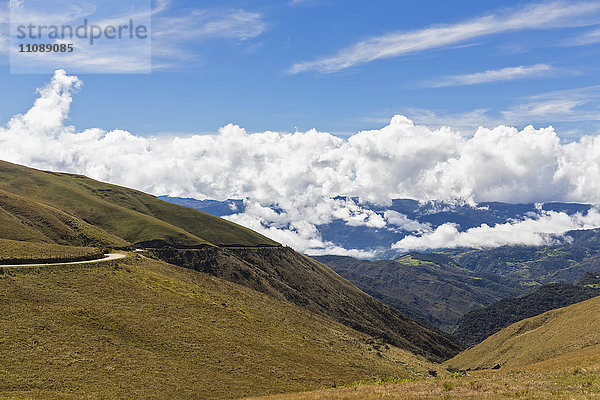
column 537, row 231
column 289, row 180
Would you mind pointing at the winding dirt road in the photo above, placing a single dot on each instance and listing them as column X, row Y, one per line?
column 107, row 257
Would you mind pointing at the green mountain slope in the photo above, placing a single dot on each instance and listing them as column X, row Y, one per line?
column 27, row 220
column 126, row 213
column 575, row 271
column 146, row 329
column 478, row 324
column 429, row 287
column 590, row 280
column 288, row 275
column 552, row 334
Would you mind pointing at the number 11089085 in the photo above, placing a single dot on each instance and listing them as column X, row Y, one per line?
column 46, row 48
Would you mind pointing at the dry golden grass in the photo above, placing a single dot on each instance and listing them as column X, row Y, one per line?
column 555, row 355
column 140, row 328
column 576, row 384
column 554, row 333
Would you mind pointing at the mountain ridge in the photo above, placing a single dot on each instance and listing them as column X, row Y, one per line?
column 128, row 214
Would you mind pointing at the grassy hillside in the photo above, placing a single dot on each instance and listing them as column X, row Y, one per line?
column 288, row 275
column 429, row 287
column 554, row 357
column 478, row 324
column 147, row 329
column 552, row 334
column 27, row 220
column 128, row 214
column 19, row 252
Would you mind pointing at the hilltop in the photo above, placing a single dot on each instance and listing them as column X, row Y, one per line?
column 43, row 206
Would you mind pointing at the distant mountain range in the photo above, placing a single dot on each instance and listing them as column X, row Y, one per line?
column 431, row 214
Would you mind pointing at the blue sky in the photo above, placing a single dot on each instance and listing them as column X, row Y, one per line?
column 344, row 66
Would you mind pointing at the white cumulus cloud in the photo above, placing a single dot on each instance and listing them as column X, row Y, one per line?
column 290, row 180
column 404, row 223
column 531, row 231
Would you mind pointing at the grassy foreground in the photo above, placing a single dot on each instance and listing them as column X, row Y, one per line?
column 140, row 328
column 573, row 376
column 576, row 384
